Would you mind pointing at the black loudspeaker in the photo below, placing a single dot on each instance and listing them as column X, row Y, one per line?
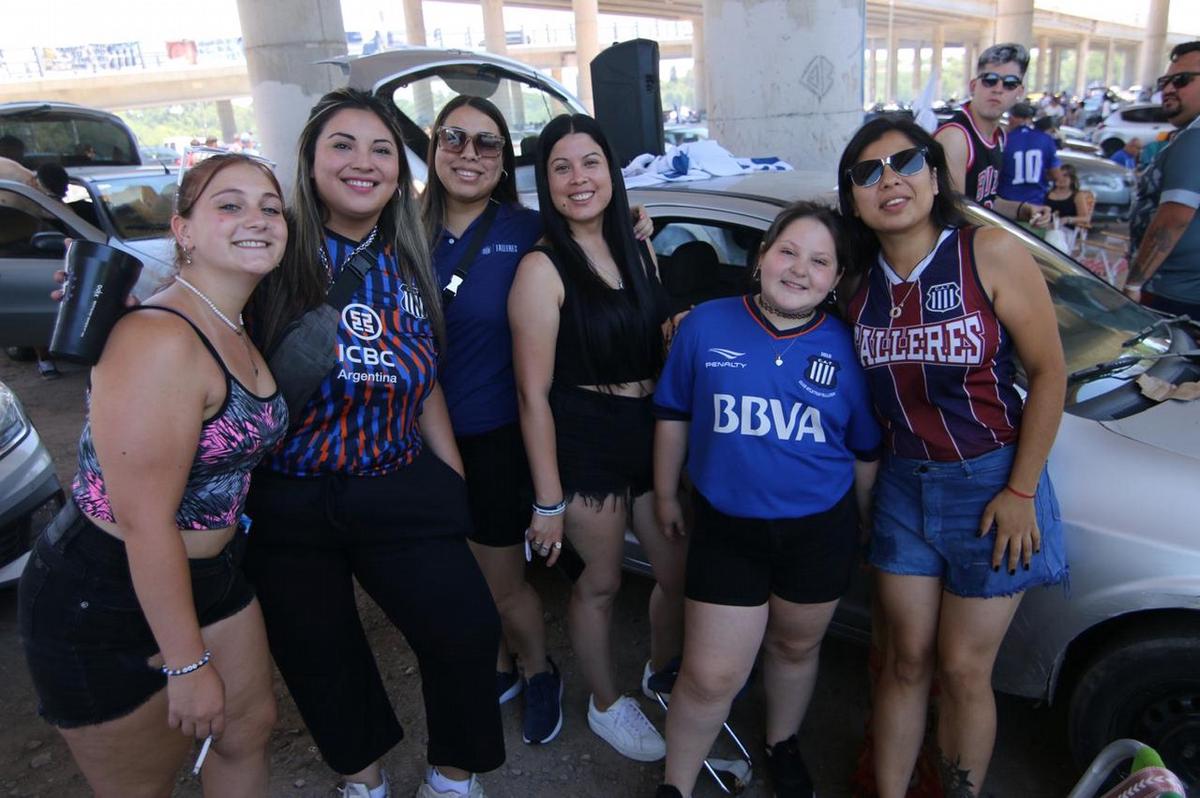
column 627, row 97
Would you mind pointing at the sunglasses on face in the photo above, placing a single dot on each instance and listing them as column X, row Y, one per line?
column 906, row 163
column 454, row 140
column 990, row 79
column 1178, row 80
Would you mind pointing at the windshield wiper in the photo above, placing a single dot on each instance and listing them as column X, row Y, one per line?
column 1123, row 362
column 1165, row 321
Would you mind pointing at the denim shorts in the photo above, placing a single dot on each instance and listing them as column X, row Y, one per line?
column 926, row 523
column 86, row 638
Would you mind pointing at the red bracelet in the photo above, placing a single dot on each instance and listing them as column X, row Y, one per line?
column 1016, row 492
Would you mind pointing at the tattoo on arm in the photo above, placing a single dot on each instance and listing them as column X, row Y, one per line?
column 956, row 780
column 1157, row 243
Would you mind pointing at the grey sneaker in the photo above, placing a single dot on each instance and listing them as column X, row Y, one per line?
column 426, row 791
column 356, row 789
column 625, row 728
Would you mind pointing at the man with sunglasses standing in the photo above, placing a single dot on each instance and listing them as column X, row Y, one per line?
column 973, row 140
column 1165, row 231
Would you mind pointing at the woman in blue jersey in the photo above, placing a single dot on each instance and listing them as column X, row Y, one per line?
column 586, row 312
column 367, row 486
column 141, row 632
column 965, row 517
column 765, row 397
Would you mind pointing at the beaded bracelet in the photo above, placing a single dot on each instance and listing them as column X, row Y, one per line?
column 550, row 510
column 186, row 669
column 1016, row 492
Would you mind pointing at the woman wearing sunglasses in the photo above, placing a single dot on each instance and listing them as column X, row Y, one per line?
column 587, row 314
column 367, row 486
column 479, row 232
column 965, row 518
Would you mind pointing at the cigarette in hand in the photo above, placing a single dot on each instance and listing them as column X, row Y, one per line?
column 203, row 753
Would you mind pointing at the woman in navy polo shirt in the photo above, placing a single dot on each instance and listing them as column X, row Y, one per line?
column 479, row 231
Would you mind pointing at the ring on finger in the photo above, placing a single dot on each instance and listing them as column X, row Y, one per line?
column 558, row 544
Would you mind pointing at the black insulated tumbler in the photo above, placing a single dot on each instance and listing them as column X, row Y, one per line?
column 99, row 279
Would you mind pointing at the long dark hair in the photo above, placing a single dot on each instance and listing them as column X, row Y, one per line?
column 301, row 283
column 947, row 208
column 596, row 314
column 433, row 201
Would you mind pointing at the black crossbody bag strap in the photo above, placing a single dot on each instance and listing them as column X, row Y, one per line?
column 351, row 278
column 468, row 258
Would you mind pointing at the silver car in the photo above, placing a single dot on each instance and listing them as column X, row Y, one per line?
column 1121, row 648
column 29, row 490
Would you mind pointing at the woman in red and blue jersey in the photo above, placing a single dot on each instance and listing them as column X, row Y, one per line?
column 368, row 486
column 965, row 517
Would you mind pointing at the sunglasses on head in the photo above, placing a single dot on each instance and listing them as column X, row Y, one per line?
column 1178, row 80
column 906, row 163
column 990, row 79
column 454, row 140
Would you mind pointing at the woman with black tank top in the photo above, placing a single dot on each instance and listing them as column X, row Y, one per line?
column 134, row 612
column 586, row 311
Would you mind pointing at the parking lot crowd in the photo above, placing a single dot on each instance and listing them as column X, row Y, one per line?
column 427, row 393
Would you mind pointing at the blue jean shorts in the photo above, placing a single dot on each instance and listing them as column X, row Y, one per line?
column 926, row 523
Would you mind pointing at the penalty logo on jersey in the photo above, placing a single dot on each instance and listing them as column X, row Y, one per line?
column 943, row 297
column 822, row 370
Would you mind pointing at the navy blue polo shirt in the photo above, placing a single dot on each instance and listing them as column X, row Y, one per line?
column 476, row 371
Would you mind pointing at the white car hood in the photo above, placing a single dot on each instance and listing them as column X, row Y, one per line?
column 1173, row 426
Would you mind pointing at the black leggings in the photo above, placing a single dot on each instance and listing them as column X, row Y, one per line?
column 403, row 538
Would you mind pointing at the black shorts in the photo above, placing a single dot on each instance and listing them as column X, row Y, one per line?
column 86, row 638
column 605, row 443
column 499, row 490
column 741, row 562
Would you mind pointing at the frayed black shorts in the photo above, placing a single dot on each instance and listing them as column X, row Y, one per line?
column 605, row 443
column 499, row 489
column 741, row 562
column 86, row 638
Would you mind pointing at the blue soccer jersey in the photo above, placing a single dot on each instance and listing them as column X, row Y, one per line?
column 777, row 418
column 362, row 420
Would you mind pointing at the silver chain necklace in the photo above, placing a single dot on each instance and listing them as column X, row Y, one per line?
column 237, row 328
column 366, row 242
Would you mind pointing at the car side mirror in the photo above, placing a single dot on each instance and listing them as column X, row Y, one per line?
column 49, row 243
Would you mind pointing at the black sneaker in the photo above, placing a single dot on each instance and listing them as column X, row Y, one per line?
column 508, row 685
column 789, row 776
column 543, row 706
column 668, row 791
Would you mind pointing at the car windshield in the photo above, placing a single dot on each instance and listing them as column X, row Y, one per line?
column 526, row 107
column 49, row 136
column 1094, row 319
column 140, row 205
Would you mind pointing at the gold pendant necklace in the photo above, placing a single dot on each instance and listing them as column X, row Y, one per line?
column 898, row 309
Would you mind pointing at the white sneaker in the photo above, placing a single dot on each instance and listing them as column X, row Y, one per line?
column 625, row 728
column 356, row 789
column 426, row 791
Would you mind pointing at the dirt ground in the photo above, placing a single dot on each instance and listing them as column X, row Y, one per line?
column 1030, row 762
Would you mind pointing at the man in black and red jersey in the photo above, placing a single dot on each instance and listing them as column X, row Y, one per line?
column 973, row 139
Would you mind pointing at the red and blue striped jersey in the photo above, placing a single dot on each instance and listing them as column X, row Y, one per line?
column 941, row 371
column 362, row 420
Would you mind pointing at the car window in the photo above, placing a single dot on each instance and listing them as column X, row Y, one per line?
column 1153, row 113
column 50, row 136
column 139, row 207
column 526, row 108
column 700, row 261
column 20, row 220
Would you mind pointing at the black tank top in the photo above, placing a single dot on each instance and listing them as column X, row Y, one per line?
column 985, row 159
column 1063, row 207
column 602, row 336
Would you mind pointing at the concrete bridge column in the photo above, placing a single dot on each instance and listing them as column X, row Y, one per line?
column 935, row 57
column 699, row 67
column 1043, row 63
column 281, row 48
column 229, row 129
column 587, row 45
column 797, row 91
column 1109, row 56
column 1132, row 56
column 1082, row 52
column 1153, row 56
column 917, row 83
column 493, row 27
column 969, row 57
column 893, row 67
column 872, row 70
column 1055, row 67
column 414, row 32
column 1014, row 21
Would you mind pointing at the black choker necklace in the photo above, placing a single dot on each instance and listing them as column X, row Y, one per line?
column 794, row 315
